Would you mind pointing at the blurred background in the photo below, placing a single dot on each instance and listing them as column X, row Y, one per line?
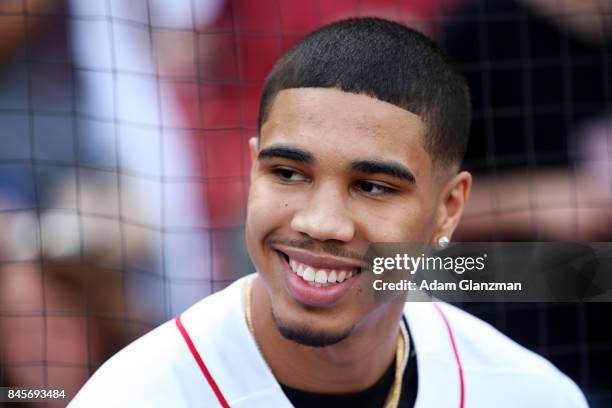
column 124, row 165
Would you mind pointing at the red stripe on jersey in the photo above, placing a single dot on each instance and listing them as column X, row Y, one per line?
column 456, row 352
column 198, row 359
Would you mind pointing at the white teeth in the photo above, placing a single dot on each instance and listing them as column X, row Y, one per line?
column 309, row 275
column 321, row 276
column 331, row 277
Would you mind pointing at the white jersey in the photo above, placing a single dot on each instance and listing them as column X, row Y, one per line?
column 207, row 357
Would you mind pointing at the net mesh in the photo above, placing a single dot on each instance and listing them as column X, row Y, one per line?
column 124, row 162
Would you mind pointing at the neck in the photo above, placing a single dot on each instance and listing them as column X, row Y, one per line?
column 353, row 364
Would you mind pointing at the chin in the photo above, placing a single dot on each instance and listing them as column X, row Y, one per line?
column 313, row 328
column 310, row 336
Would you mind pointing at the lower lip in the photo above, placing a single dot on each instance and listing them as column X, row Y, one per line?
column 304, row 293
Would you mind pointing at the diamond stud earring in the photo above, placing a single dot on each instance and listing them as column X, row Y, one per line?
column 443, row 241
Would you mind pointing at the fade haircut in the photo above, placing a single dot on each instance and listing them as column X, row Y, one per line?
column 389, row 62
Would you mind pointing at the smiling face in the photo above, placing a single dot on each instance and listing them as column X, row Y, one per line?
column 333, row 172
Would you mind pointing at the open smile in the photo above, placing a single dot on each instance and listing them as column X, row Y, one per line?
column 315, row 280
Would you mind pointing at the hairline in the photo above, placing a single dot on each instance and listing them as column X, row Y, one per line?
column 452, row 166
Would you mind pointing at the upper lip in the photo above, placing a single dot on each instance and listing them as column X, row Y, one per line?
column 319, row 261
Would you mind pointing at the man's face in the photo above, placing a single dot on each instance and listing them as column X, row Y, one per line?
column 334, row 172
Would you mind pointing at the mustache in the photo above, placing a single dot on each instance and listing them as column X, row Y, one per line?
column 329, row 248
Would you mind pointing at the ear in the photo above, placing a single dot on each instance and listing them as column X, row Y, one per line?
column 253, row 150
column 453, row 199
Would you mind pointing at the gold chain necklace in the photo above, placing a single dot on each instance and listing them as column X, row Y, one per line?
column 401, row 351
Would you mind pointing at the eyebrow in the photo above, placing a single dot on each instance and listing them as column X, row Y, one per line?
column 392, row 169
column 286, row 152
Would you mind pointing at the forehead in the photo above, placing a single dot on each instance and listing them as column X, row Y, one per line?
column 345, row 125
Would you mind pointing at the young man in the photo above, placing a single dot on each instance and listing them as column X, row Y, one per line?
column 363, row 126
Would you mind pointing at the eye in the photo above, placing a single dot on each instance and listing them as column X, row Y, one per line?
column 371, row 188
column 286, row 174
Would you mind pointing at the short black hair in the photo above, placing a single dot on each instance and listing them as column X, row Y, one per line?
column 387, row 61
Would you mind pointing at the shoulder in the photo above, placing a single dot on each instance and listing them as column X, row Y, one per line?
column 158, row 369
column 141, row 373
column 503, row 367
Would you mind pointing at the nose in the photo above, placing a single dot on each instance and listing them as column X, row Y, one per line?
column 324, row 216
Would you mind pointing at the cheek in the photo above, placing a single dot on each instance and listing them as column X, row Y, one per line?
column 266, row 211
column 405, row 222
